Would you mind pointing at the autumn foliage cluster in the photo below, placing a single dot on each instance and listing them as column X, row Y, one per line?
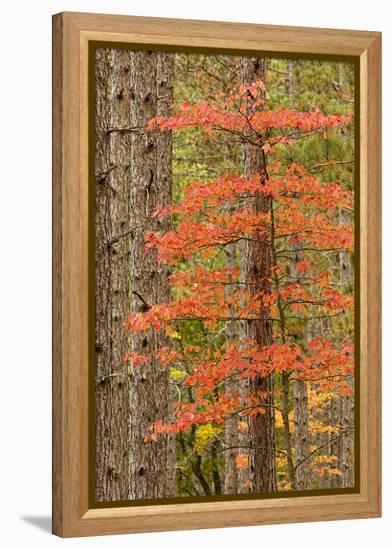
column 296, row 217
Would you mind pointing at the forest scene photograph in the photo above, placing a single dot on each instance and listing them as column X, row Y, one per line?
column 224, row 267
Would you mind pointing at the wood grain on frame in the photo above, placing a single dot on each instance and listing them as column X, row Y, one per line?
column 71, row 33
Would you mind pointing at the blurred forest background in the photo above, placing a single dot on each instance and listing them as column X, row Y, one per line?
column 224, row 323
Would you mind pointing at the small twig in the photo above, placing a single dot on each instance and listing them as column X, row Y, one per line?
column 103, row 175
column 350, row 429
column 330, row 163
column 125, row 130
column 116, row 238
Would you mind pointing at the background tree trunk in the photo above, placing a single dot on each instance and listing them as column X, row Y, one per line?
column 236, row 434
column 342, row 409
column 152, row 463
column 231, row 472
column 112, row 286
column 258, row 264
column 301, row 437
column 346, row 456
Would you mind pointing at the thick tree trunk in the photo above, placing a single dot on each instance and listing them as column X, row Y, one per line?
column 258, row 263
column 111, row 280
column 152, row 463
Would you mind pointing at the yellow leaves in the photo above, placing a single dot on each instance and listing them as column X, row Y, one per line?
column 203, row 435
column 284, row 485
column 279, row 422
column 173, row 333
column 317, row 426
column 176, row 375
column 325, row 471
column 335, row 472
column 325, row 459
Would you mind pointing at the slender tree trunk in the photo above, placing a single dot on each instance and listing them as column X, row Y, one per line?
column 231, row 472
column 258, row 264
column 111, row 281
column 152, row 463
column 300, row 396
column 301, row 437
column 343, row 406
column 346, row 457
column 236, row 434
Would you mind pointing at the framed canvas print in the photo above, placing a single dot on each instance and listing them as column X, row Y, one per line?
column 216, row 274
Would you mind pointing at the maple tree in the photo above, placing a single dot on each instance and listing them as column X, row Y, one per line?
column 301, row 227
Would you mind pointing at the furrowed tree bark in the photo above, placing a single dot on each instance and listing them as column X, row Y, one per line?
column 258, row 263
column 301, row 436
column 342, row 409
column 231, row 434
column 152, row 462
column 299, row 389
column 111, row 280
column 346, row 456
column 236, row 435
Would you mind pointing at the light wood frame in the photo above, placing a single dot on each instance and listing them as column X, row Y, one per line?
column 71, row 34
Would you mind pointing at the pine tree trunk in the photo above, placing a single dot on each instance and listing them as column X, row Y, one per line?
column 258, row 263
column 152, row 463
column 111, row 281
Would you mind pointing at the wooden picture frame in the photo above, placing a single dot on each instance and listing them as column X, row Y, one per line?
column 72, row 33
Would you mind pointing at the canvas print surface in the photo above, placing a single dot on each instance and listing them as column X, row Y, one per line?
column 224, row 323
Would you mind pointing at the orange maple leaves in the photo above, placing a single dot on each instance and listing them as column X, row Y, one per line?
column 302, row 220
column 322, row 363
column 246, row 111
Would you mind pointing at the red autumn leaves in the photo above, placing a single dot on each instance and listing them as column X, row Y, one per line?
column 302, row 219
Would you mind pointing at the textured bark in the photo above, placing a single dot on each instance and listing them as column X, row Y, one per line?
column 300, row 408
column 299, row 390
column 258, row 263
column 236, row 439
column 342, row 409
column 346, row 456
column 231, row 478
column 152, row 463
column 301, row 436
column 111, row 281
